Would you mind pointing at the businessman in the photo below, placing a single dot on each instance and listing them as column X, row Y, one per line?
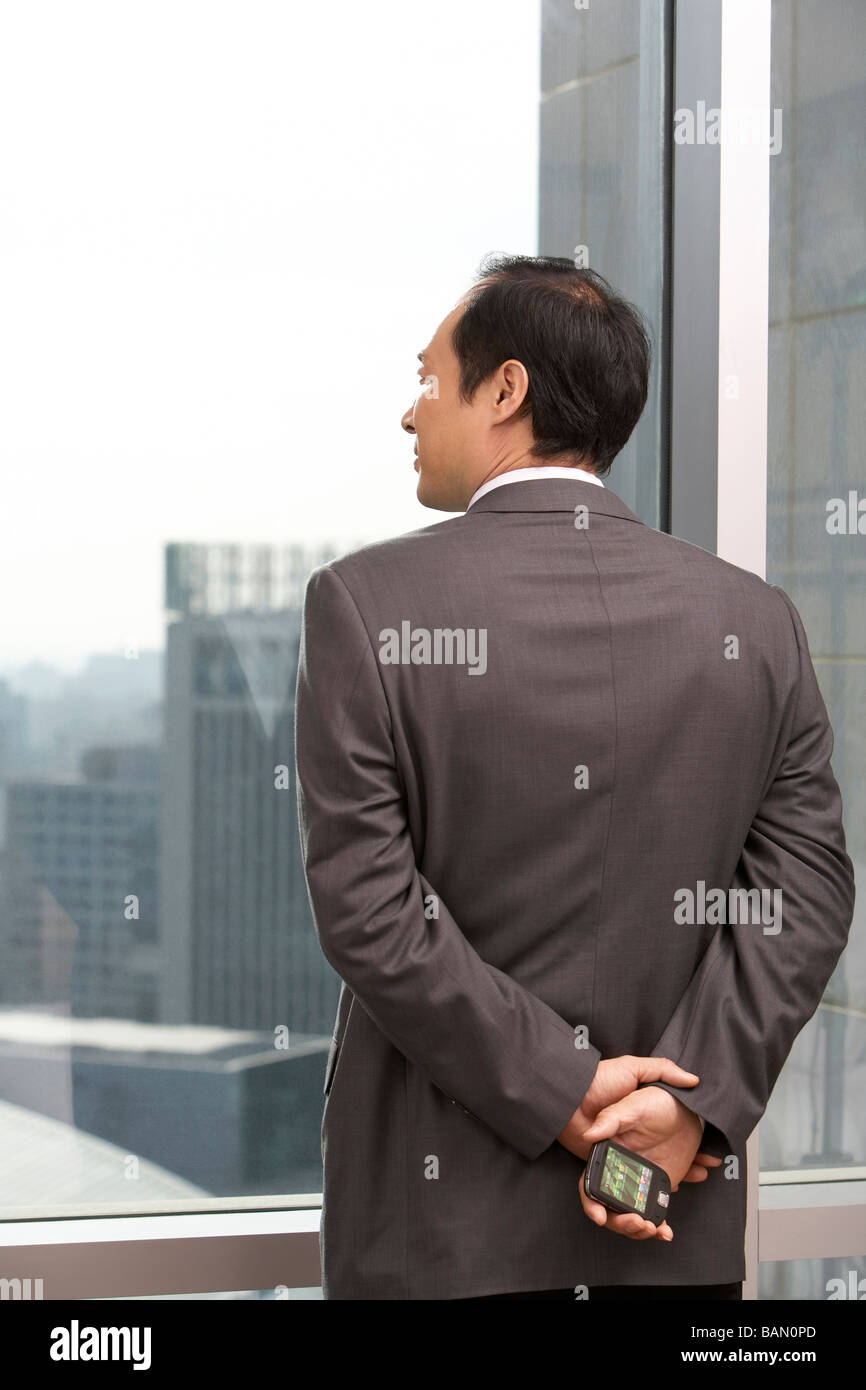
column 571, row 835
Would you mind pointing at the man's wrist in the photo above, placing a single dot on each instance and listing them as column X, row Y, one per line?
column 571, row 1137
column 662, row 1086
column 693, row 1112
column 674, row 1091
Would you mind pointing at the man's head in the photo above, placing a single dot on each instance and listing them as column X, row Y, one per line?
column 538, row 363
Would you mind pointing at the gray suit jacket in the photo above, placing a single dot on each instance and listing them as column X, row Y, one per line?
column 499, row 852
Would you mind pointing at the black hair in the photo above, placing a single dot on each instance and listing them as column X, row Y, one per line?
column 586, row 350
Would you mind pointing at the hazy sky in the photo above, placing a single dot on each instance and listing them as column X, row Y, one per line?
column 225, row 231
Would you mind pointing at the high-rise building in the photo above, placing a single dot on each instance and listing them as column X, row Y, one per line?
column 13, row 742
column 239, row 944
column 80, row 920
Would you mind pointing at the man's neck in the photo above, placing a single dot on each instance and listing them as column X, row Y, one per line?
column 532, row 461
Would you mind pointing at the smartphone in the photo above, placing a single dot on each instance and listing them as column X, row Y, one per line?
column 624, row 1181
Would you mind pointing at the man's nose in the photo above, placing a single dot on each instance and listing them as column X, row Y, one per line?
column 406, row 422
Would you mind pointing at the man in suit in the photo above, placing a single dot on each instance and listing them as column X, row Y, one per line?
column 571, row 836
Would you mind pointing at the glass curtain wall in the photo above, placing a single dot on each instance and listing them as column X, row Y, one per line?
column 815, row 1125
column 602, row 195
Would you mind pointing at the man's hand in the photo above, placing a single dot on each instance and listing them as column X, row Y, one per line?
column 616, row 1078
column 661, row 1128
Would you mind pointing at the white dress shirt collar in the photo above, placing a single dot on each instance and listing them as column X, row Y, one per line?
column 519, row 475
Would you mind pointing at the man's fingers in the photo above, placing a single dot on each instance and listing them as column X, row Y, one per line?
column 631, row 1225
column 701, row 1164
column 697, row 1173
column 623, row 1224
column 596, row 1212
column 610, row 1121
column 663, row 1069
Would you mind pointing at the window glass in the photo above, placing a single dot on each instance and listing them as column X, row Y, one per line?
column 817, row 506
column 226, row 232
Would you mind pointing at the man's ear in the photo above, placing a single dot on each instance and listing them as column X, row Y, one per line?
column 512, row 385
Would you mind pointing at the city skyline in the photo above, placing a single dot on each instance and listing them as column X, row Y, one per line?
column 218, row 341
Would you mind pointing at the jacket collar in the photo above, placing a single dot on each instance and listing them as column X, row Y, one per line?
column 553, row 495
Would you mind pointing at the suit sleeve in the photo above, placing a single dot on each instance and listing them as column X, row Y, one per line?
column 753, row 992
column 490, row 1045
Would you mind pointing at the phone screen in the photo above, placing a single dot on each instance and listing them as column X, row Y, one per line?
column 626, row 1178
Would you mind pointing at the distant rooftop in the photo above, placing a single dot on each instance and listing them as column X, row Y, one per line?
column 45, row 1160
column 44, row 1029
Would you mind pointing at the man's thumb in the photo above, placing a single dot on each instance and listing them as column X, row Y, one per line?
column 606, row 1123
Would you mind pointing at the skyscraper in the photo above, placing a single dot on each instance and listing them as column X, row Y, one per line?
column 239, row 945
